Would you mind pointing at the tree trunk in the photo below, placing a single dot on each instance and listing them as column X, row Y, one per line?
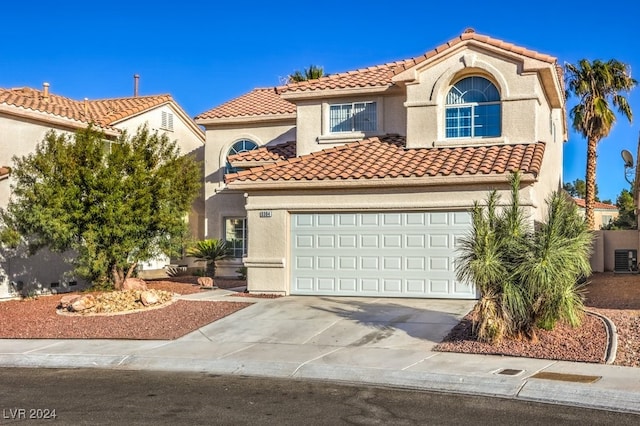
column 590, row 180
column 211, row 269
column 117, row 274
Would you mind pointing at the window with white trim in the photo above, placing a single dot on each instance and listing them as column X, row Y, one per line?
column 473, row 109
column 167, row 121
column 235, row 234
column 353, row 117
column 242, row 145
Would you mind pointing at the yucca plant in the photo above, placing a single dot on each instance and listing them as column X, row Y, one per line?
column 210, row 251
column 526, row 278
column 560, row 253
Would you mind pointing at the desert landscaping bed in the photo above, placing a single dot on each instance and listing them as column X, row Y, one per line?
column 612, row 295
column 617, row 296
column 37, row 318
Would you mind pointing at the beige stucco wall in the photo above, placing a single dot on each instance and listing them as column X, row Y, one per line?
column 607, row 242
column 269, row 258
column 220, row 203
column 525, row 108
column 313, row 133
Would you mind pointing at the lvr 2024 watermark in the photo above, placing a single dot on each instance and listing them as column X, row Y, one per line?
column 29, row 413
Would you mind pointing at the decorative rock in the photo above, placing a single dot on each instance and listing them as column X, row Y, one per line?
column 68, row 300
column 82, row 303
column 205, row 281
column 134, row 284
column 149, row 298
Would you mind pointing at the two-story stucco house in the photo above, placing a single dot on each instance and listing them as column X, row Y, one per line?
column 27, row 115
column 360, row 183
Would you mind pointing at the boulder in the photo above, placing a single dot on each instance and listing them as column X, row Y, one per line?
column 148, row 298
column 82, row 303
column 134, row 284
column 68, row 300
column 205, row 282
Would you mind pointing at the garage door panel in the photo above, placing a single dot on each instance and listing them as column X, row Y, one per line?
column 369, row 241
column 393, row 254
column 438, row 263
column 392, row 241
column 348, row 263
column 415, row 241
column 438, row 219
column 304, row 262
column 392, row 285
column 413, row 263
column 326, row 262
column 416, row 286
column 304, row 241
column 348, row 241
column 392, row 219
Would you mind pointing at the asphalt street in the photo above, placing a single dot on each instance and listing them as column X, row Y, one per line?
column 110, row 397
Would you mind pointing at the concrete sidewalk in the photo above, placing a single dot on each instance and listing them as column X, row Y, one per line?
column 384, row 342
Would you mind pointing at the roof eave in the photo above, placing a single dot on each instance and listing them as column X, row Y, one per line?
column 45, row 117
column 399, row 182
column 335, row 93
column 254, row 163
column 247, row 119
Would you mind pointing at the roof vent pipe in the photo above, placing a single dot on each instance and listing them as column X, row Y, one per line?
column 136, row 79
column 45, row 91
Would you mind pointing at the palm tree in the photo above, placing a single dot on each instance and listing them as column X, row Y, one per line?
column 310, row 73
column 210, row 251
column 597, row 84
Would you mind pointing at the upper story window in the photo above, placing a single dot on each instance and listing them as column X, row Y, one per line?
column 242, row 145
column 353, row 117
column 167, row 121
column 473, row 109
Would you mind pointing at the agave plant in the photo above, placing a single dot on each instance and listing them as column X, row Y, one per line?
column 210, row 251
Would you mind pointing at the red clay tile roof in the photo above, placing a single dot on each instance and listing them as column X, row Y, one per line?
column 258, row 102
column 598, row 205
column 381, row 75
column 281, row 151
column 386, row 157
column 103, row 112
column 4, row 172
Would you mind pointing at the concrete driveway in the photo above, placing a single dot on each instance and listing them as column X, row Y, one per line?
column 345, row 322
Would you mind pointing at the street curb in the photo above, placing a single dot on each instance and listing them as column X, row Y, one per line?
column 612, row 337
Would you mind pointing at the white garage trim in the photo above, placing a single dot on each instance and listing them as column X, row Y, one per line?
column 388, row 254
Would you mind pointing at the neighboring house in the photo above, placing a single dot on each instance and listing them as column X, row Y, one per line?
column 27, row 115
column 603, row 213
column 361, row 183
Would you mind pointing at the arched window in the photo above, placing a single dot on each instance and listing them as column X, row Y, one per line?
column 473, row 109
column 241, row 146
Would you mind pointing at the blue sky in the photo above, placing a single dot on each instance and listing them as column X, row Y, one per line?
column 204, row 53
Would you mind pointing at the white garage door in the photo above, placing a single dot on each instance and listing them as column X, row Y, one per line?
column 401, row 254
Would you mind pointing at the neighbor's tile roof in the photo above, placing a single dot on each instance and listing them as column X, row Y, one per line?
column 598, row 205
column 4, row 172
column 264, row 101
column 386, row 157
column 381, row 75
column 103, row 112
column 281, row 151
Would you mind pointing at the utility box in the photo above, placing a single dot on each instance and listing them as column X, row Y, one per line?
column 626, row 261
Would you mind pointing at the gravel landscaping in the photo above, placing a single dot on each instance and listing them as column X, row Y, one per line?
column 617, row 296
column 37, row 318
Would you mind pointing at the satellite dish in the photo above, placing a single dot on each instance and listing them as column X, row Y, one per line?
column 627, row 157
